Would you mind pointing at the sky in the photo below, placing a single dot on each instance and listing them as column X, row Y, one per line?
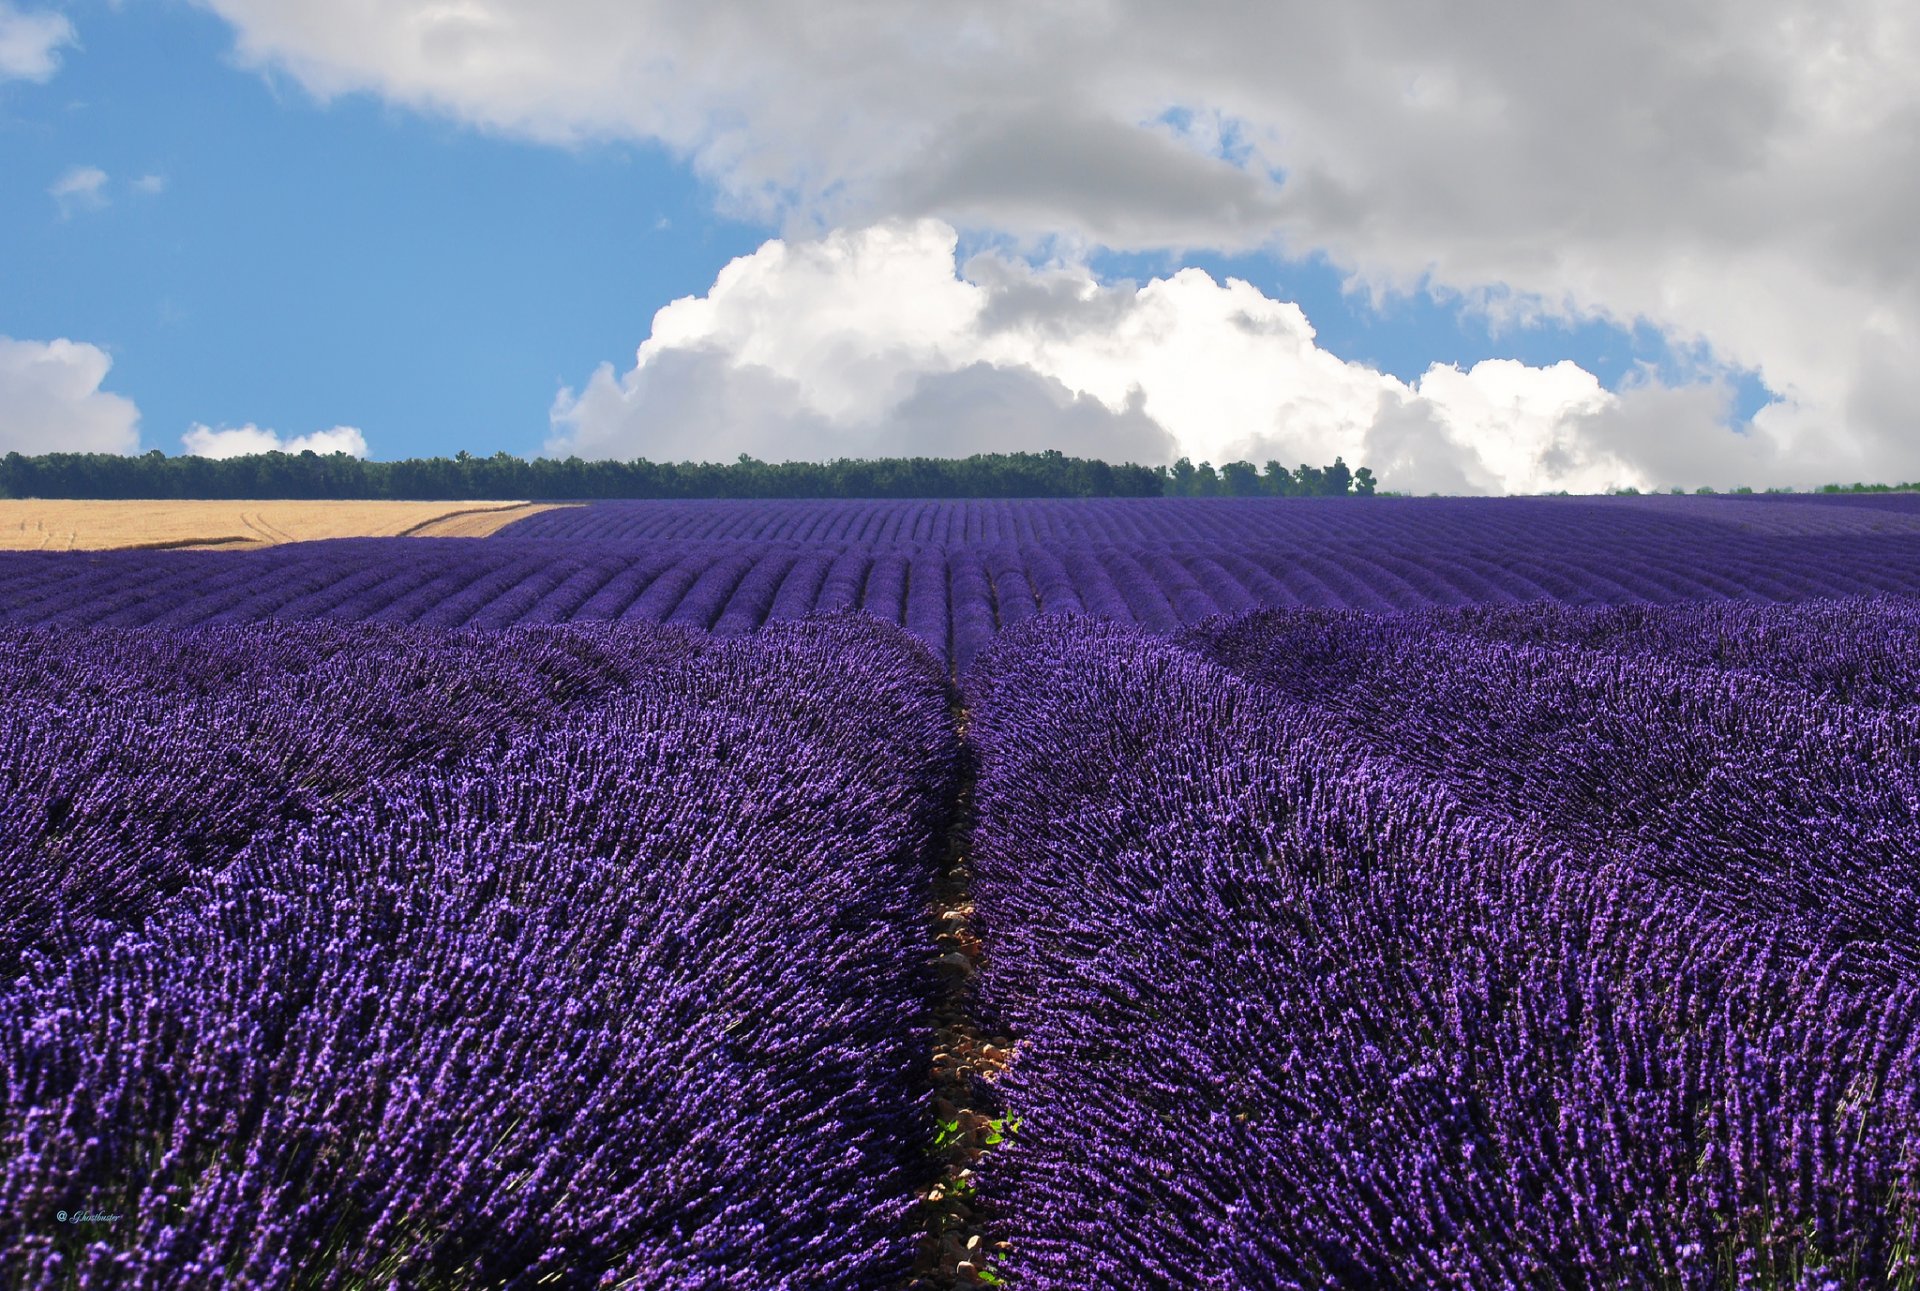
column 1519, row 246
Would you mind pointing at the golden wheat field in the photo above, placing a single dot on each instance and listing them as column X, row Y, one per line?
column 56, row 524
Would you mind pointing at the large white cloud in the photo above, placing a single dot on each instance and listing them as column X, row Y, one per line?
column 240, row 441
column 873, row 341
column 1743, row 172
column 30, row 43
column 51, row 400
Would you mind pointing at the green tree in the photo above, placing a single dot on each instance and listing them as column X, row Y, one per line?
column 1240, row 480
column 1183, row 479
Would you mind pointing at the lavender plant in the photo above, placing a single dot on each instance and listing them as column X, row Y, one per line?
column 1766, row 801
column 1299, row 1014
column 631, row 995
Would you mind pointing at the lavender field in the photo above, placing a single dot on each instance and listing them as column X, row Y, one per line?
column 1400, row 893
column 956, row 573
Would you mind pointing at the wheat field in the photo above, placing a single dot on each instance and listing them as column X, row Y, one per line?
column 63, row 524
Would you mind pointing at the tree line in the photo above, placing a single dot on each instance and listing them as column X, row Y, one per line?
column 464, row 477
column 1242, row 480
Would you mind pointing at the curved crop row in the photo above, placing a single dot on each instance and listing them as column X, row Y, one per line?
column 130, row 761
column 1863, row 652
column 1295, row 1015
column 1767, row 801
column 634, row 996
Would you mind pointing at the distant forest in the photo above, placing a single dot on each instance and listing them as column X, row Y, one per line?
column 465, row 477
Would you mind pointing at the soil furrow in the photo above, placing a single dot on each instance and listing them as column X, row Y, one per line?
column 968, row 1122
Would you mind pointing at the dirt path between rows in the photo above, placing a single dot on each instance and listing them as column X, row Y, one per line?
column 967, row 1061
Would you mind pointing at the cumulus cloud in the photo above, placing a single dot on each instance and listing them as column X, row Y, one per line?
column 690, row 404
column 51, row 400
column 1743, row 172
column 874, row 341
column 989, row 408
column 865, row 342
column 240, row 441
column 30, row 43
column 82, row 188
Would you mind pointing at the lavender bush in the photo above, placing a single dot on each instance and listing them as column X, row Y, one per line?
column 1768, row 802
column 1298, row 1015
column 131, row 760
column 1862, row 652
column 629, row 997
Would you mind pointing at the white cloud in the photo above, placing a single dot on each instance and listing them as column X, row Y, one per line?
column 865, row 342
column 240, row 441
column 1521, row 429
column 873, row 341
column 30, row 43
column 1743, row 172
column 82, row 188
column 51, row 400
column 150, row 184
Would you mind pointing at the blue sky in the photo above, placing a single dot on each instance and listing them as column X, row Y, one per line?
column 307, row 266
column 307, row 223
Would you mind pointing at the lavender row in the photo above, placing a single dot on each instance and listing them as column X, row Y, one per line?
column 132, row 760
column 1294, row 1015
column 1765, row 800
column 1863, row 652
column 633, row 998
column 954, row 598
